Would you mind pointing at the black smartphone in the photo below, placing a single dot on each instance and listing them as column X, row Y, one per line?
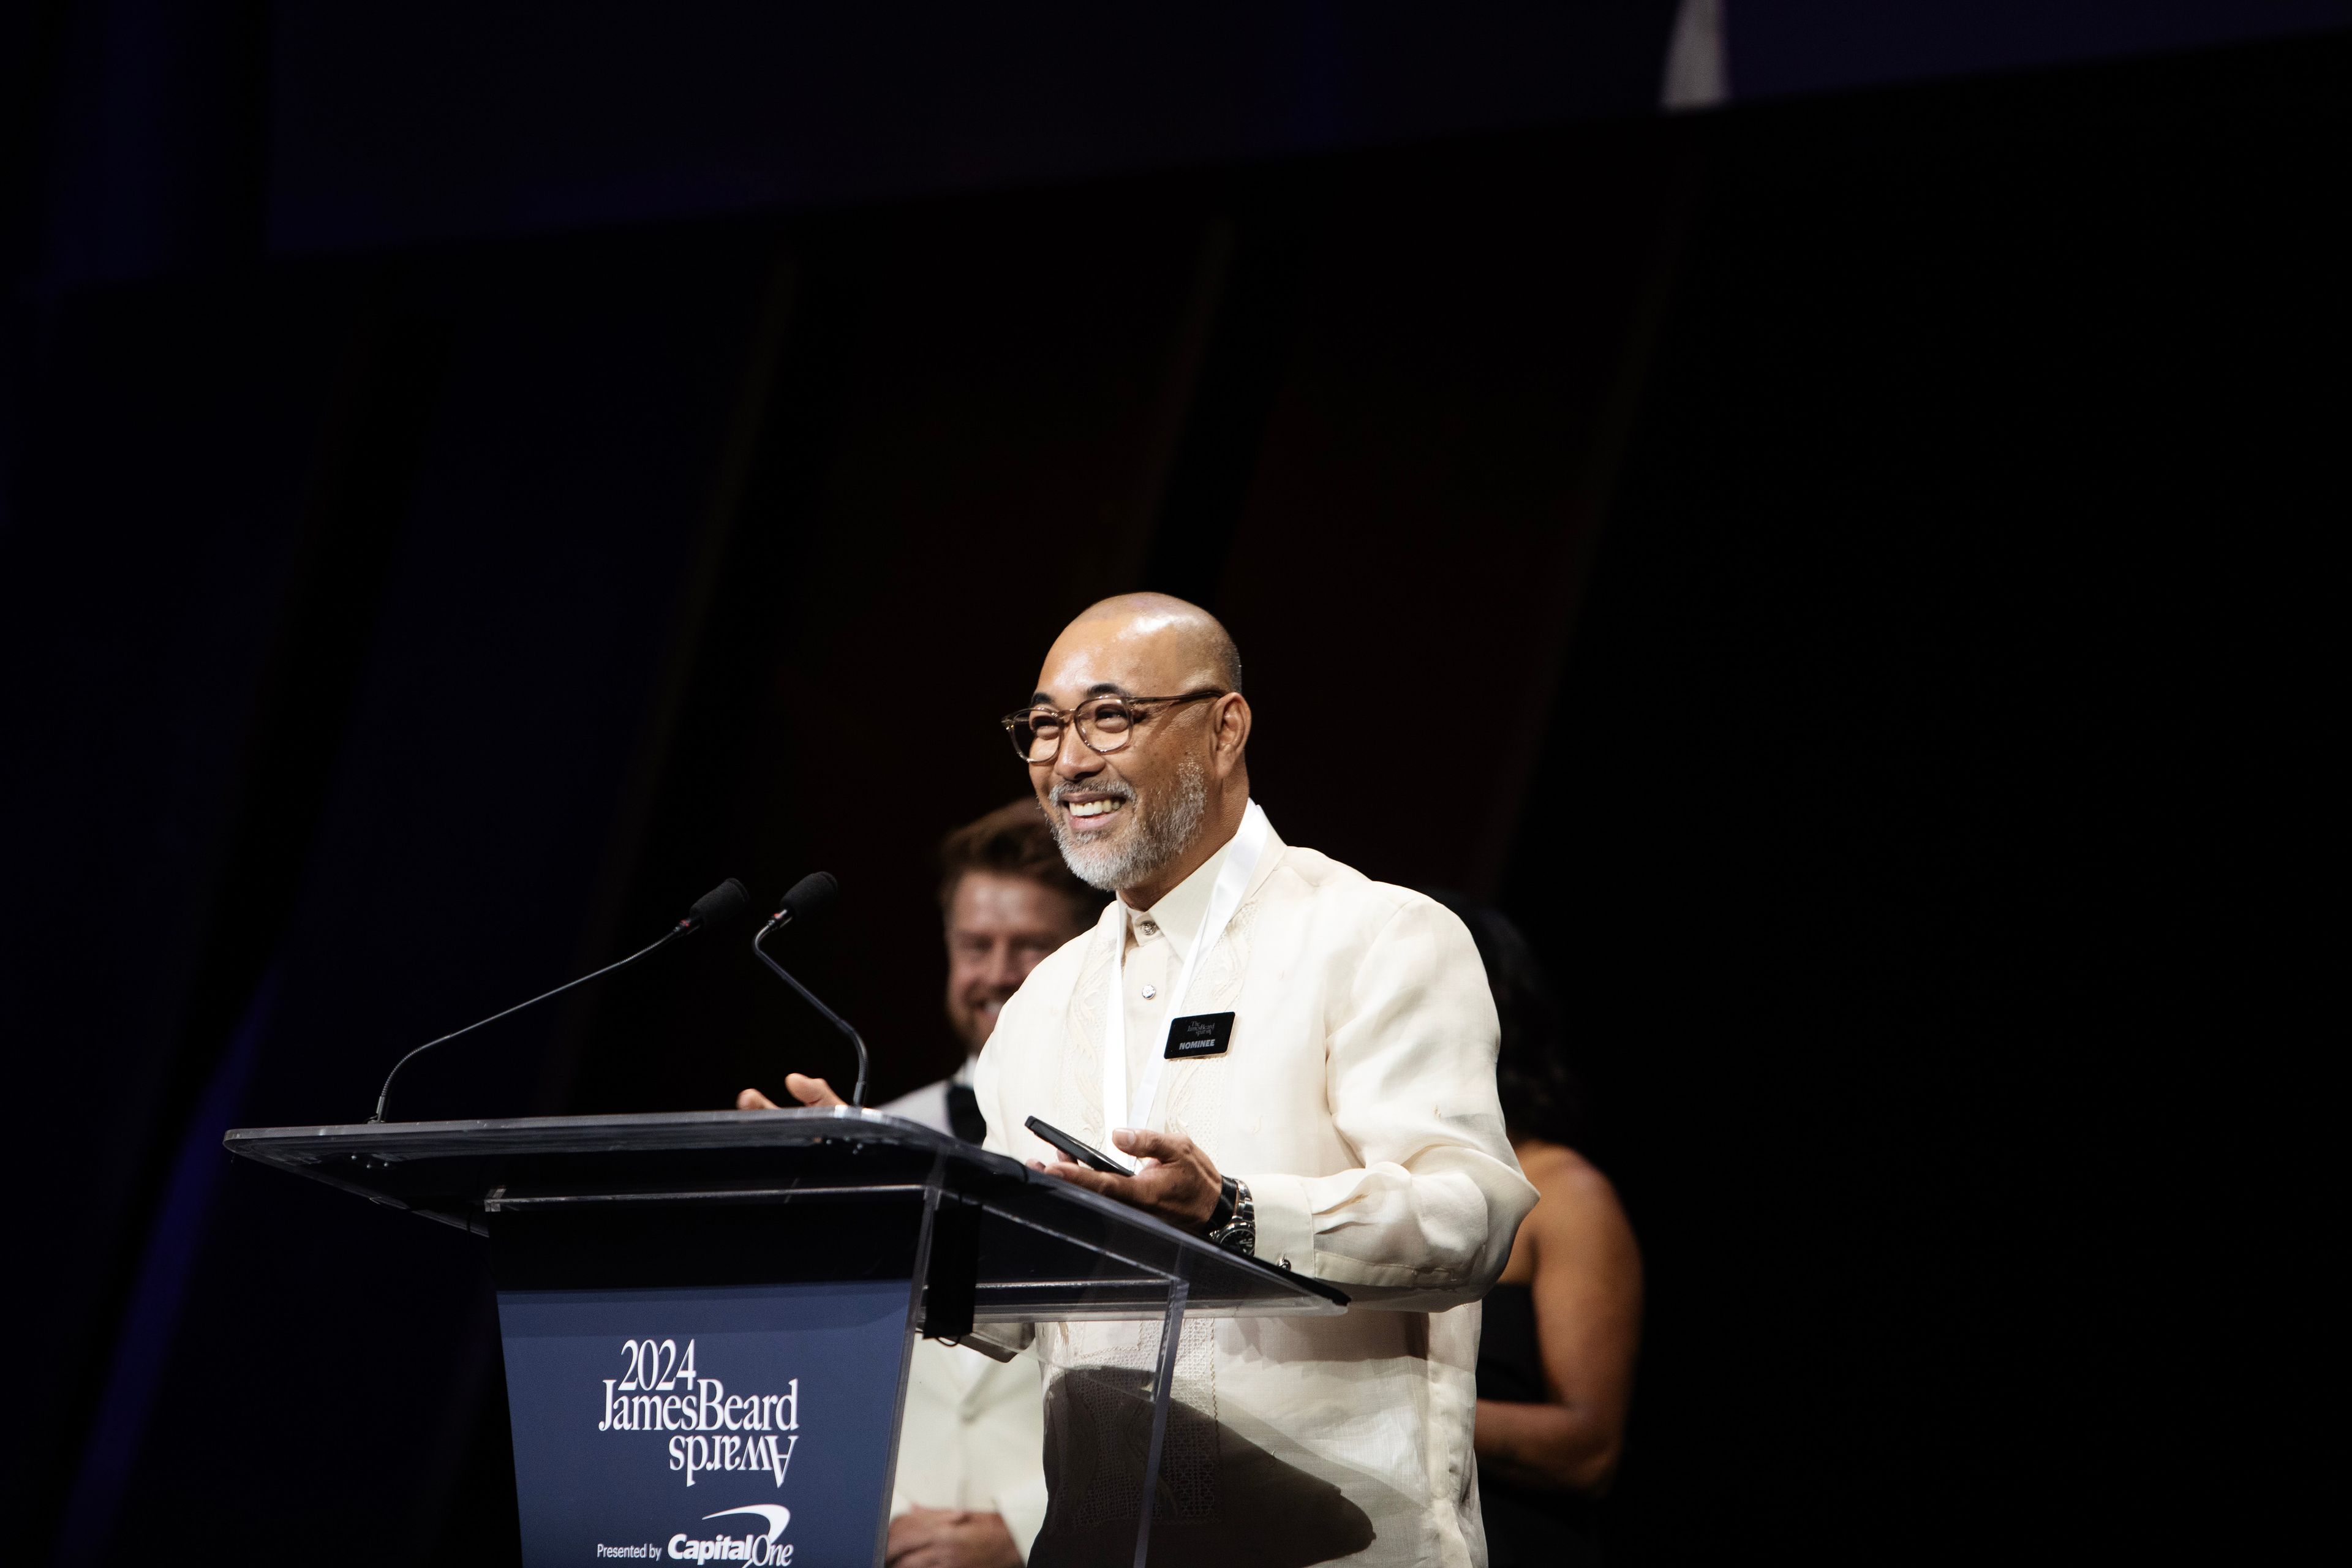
column 1081, row 1153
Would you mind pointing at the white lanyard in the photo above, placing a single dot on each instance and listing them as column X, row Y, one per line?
column 1233, row 880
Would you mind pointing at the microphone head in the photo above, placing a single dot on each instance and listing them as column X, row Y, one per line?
column 720, row 905
column 811, row 897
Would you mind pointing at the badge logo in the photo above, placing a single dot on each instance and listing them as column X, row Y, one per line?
column 1202, row 1035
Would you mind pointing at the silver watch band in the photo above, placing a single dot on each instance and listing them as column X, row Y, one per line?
column 1240, row 1233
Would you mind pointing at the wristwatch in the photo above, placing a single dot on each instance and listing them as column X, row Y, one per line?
column 1233, row 1225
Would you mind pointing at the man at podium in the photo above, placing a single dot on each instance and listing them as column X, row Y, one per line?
column 1301, row 1061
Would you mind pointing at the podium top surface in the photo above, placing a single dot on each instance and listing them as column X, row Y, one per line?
column 1047, row 1249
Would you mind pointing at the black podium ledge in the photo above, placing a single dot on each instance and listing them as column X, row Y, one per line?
column 688, row 1197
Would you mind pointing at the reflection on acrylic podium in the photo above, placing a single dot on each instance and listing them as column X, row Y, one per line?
column 707, row 1316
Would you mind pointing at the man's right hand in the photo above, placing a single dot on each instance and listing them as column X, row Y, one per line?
column 800, row 1086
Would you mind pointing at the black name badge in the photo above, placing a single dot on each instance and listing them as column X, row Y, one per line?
column 1202, row 1035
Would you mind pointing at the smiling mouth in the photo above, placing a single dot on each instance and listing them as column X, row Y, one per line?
column 1083, row 809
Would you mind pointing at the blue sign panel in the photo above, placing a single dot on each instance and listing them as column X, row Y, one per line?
column 732, row 1425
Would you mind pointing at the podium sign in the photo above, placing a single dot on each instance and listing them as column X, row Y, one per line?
column 706, row 1316
column 722, row 1424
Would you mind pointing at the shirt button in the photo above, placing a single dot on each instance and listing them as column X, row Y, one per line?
column 1149, row 991
column 1148, row 928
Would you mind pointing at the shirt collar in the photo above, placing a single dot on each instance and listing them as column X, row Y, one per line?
column 1180, row 910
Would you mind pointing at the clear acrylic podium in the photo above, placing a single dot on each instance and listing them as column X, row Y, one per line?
column 726, row 1300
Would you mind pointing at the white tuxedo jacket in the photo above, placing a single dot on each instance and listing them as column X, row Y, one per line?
column 972, row 1435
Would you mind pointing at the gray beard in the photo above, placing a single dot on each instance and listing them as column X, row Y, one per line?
column 1156, row 836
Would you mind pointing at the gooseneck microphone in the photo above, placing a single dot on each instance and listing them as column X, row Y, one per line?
column 811, row 897
column 721, row 904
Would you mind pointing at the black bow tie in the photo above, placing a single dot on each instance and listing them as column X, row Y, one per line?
column 963, row 1113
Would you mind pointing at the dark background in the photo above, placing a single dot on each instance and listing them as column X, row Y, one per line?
column 1835, row 569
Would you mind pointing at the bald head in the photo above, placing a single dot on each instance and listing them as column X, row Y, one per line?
column 1179, row 631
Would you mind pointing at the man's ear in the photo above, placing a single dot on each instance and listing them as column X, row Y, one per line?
column 1231, row 732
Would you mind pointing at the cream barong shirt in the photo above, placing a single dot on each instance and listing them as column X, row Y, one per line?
column 1357, row 1098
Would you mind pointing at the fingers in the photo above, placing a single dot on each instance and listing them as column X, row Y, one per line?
column 1139, row 1191
column 920, row 1536
column 1160, row 1145
column 800, row 1086
column 908, row 1531
column 1086, row 1176
column 811, row 1091
column 1175, row 1193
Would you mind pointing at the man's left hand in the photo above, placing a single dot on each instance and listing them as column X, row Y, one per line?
column 1173, row 1179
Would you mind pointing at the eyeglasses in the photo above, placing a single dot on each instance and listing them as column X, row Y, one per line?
column 1105, row 723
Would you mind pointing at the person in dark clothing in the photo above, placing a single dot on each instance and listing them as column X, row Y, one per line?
column 1561, row 1326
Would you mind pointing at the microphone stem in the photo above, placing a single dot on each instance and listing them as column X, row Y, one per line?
column 857, row 1095
column 670, row 935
